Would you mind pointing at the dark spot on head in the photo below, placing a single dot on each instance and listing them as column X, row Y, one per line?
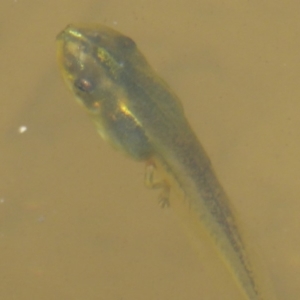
column 125, row 42
column 97, row 38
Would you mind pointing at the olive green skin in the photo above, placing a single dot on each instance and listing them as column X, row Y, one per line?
column 135, row 110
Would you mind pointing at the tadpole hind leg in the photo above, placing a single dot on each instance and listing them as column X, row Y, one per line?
column 152, row 183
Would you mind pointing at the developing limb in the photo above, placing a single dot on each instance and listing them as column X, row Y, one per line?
column 152, row 183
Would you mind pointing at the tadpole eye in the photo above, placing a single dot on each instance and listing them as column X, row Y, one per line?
column 84, row 85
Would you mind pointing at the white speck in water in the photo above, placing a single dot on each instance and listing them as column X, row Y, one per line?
column 22, row 129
